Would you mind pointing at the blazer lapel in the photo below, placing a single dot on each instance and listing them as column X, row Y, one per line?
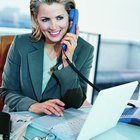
column 35, row 60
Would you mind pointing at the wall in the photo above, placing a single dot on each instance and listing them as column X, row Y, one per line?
column 112, row 18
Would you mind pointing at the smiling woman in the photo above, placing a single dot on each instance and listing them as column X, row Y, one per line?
column 36, row 74
column 53, row 27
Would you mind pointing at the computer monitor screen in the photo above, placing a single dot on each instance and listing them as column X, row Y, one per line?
column 118, row 63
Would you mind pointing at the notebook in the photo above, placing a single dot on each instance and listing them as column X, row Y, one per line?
column 88, row 122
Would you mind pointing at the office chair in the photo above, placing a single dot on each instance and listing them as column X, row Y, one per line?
column 5, row 42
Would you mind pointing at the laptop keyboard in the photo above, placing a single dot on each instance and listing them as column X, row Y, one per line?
column 69, row 129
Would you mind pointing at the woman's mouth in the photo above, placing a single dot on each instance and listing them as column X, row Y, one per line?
column 54, row 34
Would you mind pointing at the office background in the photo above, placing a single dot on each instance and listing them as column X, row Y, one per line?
column 118, row 23
column 116, row 19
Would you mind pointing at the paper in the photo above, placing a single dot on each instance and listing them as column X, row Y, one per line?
column 19, row 123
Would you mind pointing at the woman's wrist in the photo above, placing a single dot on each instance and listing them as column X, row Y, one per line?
column 31, row 108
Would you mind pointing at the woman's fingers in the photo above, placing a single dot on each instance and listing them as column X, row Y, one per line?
column 49, row 107
column 58, row 102
column 55, row 106
column 52, row 110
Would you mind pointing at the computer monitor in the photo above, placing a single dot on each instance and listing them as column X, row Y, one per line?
column 118, row 63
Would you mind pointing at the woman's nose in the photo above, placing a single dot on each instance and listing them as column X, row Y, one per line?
column 53, row 25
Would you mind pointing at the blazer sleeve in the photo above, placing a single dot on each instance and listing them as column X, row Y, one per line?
column 11, row 81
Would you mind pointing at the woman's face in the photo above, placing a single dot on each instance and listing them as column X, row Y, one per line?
column 53, row 21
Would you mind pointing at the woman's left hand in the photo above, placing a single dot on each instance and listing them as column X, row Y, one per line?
column 71, row 42
column 52, row 106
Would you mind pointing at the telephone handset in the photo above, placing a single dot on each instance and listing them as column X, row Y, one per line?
column 73, row 16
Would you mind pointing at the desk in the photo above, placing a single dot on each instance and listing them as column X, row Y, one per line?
column 121, row 131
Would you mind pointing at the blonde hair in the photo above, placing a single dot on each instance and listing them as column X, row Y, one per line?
column 34, row 5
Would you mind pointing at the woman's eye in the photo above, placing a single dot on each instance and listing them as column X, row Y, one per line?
column 60, row 18
column 45, row 19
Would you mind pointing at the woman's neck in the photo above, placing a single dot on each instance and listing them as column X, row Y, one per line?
column 52, row 50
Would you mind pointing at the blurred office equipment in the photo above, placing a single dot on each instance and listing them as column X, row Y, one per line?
column 118, row 63
column 5, row 125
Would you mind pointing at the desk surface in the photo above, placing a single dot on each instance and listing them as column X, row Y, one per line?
column 121, row 131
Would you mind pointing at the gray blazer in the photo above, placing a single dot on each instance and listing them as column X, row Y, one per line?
column 23, row 73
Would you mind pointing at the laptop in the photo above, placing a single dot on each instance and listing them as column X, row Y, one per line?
column 88, row 122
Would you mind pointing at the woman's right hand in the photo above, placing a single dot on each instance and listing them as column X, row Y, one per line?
column 54, row 106
column 70, row 40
